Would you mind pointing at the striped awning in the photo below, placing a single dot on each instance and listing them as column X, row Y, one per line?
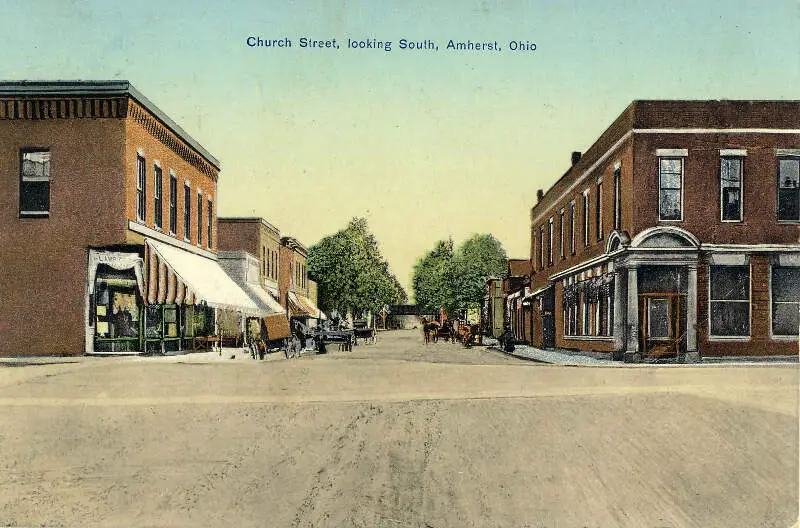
column 302, row 306
column 177, row 276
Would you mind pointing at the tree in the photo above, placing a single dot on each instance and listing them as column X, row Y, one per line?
column 453, row 280
column 432, row 277
column 478, row 258
column 351, row 273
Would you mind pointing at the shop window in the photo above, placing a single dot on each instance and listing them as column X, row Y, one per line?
column 157, row 197
column 786, row 301
column 116, row 306
column 141, row 184
column 34, row 185
column 730, row 184
column 670, row 188
column 173, row 204
column 789, row 189
column 730, row 301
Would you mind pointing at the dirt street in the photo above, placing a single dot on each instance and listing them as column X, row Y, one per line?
column 396, row 434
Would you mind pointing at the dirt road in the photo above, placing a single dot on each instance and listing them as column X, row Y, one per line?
column 396, row 435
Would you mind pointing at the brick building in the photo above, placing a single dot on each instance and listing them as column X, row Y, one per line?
column 108, row 224
column 293, row 282
column 676, row 234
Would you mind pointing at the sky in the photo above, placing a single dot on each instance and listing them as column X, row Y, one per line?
column 425, row 144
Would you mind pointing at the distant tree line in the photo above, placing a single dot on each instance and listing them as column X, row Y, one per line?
column 350, row 272
column 453, row 279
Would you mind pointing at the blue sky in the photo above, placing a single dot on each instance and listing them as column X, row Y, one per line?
column 425, row 145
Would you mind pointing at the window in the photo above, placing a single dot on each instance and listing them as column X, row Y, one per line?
column 585, row 211
column 730, row 188
column 157, row 194
column 572, row 227
column 34, row 185
column 550, row 242
column 264, row 261
column 199, row 219
column 617, row 212
column 173, row 204
column 659, row 324
column 598, row 210
column 670, row 188
column 785, row 301
column 141, row 178
column 187, row 212
column 541, row 248
column 729, row 301
column 561, row 233
column 210, row 224
column 789, row 189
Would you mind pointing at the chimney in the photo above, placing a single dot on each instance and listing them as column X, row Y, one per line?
column 539, row 195
column 576, row 157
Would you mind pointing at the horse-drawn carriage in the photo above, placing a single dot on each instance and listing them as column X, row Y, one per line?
column 271, row 334
column 362, row 330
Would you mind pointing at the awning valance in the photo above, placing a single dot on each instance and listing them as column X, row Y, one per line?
column 196, row 278
column 302, row 306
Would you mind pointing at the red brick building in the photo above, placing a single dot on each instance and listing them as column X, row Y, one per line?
column 676, row 234
column 108, row 224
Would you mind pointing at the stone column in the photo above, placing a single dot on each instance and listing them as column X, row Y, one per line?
column 619, row 315
column 632, row 323
column 692, row 355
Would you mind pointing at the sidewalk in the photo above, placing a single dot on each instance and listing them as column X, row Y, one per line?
column 576, row 359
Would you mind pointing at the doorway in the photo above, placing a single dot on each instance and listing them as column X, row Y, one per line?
column 662, row 324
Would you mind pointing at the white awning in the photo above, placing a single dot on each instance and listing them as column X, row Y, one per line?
column 205, row 278
column 263, row 299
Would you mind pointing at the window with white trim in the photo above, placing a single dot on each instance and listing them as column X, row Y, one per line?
column 550, row 242
column 141, row 182
column 173, row 204
column 34, row 183
column 561, row 233
column 199, row 218
column 729, row 302
column 598, row 210
column 572, row 227
column 157, row 197
column 187, row 212
column 670, row 188
column 617, row 213
column 785, row 283
column 210, row 216
column 585, row 212
column 541, row 248
column 789, row 189
column 730, row 188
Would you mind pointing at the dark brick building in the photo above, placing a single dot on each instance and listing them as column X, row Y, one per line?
column 676, row 234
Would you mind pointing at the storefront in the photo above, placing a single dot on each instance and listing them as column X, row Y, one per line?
column 167, row 301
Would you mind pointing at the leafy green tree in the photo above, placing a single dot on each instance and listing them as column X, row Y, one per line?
column 453, row 280
column 351, row 273
column 432, row 279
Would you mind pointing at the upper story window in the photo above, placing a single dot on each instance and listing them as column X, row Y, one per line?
column 541, row 248
column 173, row 204
column 561, row 233
column 572, row 227
column 730, row 186
column 598, row 210
column 34, row 183
column 157, row 197
column 616, row 202
column 550, row 242
column 210, row 216
column 670, row 188
column 789, row 189
column 141, row 182
column 187, row 212
column 199, row 218
column 585, row 212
